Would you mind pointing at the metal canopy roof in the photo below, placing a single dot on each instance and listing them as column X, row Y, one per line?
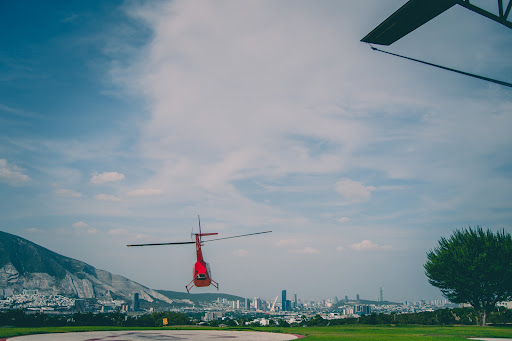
column 406, row 19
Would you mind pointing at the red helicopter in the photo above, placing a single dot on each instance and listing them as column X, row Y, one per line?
column 201, row 272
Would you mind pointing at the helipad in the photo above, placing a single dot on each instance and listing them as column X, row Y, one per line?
column 136, row 335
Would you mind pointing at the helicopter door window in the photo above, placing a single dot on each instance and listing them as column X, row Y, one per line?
column 201, row 276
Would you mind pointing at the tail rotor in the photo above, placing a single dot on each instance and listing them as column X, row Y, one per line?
column 199, row 220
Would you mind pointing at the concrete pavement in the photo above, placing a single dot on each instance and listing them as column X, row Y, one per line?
column 159, row 335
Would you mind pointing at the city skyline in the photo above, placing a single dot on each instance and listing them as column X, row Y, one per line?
column 122, row 121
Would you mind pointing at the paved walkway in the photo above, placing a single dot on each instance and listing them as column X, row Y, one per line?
column 157, row 335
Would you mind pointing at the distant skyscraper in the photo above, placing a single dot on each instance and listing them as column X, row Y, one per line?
column 295, row 303
column 357, row 297
column 79, row 305
column 288, row 305
column 136, row 302
column 381, row 296
column 346, row 298
column 258, row 303
column 283, row 300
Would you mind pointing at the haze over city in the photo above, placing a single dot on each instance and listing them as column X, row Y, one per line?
column 121, row 121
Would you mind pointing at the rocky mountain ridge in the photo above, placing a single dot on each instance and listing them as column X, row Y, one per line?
column 27, row 266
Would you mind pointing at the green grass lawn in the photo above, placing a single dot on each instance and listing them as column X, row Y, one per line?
column 365, row 332
column 346, row 332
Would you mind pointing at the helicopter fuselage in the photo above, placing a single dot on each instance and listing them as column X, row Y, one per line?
column 201, row 272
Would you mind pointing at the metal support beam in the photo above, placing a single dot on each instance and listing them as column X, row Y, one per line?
column 501, row 17
column 507, row 11
column 415, row 13
column 406, row 19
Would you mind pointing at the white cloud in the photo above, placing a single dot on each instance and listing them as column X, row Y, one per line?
column 368, row 245
column 126, row 234
column 82, row 227
column 119, row 232
column 251, row 98
column 107, row 197
column 240, row 253
column 12, row 174
column 343, row 219
column 340, row 248
column 105, row 177
column 354, row 191
column 145, row 192
column 306, row 250
column 80, row 224
column 364, row 245
column 69, row 193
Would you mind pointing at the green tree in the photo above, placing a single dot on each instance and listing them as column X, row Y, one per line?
column 473, row 266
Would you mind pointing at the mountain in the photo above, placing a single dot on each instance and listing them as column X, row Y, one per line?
column 26, row 265
column 200, row 297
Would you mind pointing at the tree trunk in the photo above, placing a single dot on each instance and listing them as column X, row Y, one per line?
column 483, row 318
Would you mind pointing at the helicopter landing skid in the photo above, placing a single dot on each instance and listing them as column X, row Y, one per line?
column 186, row 286
column 215, row 284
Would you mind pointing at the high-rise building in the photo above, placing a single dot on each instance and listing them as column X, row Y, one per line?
column 381, row 296
column 295, row 303
column 283, row 300
column 357, row 297
column 258, row 304
column 80, row 305
column 136, row 302
column 346, row 298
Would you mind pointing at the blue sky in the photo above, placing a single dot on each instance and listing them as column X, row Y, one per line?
column 122, row 121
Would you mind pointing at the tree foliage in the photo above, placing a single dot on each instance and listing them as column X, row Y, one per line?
column 473, row 266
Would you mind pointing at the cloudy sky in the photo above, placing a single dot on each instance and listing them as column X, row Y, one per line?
column 120, row 122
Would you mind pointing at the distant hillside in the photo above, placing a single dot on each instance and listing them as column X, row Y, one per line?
column 367, row 302
column 199, row 298
column 26, row 265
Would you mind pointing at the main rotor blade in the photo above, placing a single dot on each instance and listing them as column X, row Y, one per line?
column 242, row 235
column 155, row 244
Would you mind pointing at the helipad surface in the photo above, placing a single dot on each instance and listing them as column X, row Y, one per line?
column 139, row 335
